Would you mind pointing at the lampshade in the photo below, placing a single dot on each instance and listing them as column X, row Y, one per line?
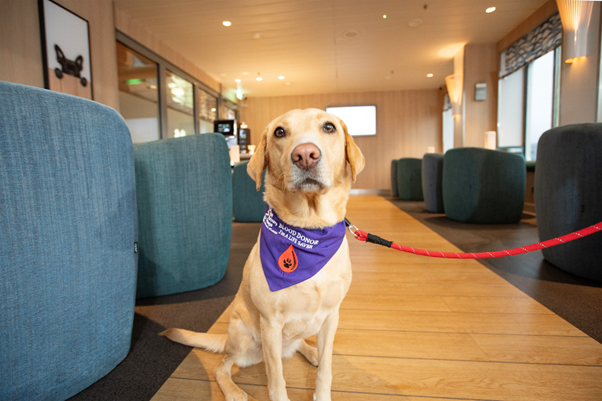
column 454, row 88
column 575, row 16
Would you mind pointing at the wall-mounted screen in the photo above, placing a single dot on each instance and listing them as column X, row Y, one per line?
column 360, row 120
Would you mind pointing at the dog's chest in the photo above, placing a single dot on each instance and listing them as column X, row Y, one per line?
column 310, row 304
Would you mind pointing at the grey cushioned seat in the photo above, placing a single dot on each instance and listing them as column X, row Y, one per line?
column 394, row 190
column 568, row 195
column 483, row 186
column 432, row 182
column 184, row 191
column 249, row 205
column 409, row 178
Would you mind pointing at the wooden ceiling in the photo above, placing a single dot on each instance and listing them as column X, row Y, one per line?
column 326, row 46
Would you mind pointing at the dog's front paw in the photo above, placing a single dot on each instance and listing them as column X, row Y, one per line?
column 324, row 397
column 237, row 396
column 309, row 352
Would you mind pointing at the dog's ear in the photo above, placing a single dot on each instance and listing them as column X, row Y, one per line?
column 259, row 161
column 59, row 53
column 354, row 155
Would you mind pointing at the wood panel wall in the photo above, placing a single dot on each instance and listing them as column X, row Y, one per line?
column 408, row 122
column 20, row 47
column 21, row 50
column 481, row 63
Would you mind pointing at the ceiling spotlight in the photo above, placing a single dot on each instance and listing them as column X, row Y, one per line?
column 281, row 77
column 237, row 80
column 226, row 23
column 490, row 10
column 259, row 79
column 384, row 16
column 429, row 75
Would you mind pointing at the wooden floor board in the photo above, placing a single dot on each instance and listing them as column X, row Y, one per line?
column 414, row 328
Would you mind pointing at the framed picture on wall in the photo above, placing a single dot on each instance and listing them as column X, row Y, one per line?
column 65, row 50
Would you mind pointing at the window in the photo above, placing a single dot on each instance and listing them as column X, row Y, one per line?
column 540, row 101
column 527, row 104
column 528, row 88
column 207, row 106
column 510, row 109
column 448, row 125
column 157, row 99
column 180, row 104
column 138, row 94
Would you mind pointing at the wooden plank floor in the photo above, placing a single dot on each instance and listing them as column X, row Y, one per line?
column 416, row 328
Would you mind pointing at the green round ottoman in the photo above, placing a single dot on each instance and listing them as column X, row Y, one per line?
column 483, row 186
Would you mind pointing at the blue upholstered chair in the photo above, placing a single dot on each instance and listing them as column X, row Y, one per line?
column 409, row 178
column 432, row 182
column 568, row 195
column 249, row 205
column 483, row 186
column 184, row 191
column 67, row 234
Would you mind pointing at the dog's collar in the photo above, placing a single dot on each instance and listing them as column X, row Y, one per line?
column 290, row 255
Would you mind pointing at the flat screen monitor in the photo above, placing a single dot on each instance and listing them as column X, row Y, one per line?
column 360, row 120
column 226, row 127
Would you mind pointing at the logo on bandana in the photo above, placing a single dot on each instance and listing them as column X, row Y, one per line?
column 288, row 260
column 290, row 255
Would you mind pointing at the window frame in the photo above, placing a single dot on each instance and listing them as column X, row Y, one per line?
column 555, row 92
column 162, row 66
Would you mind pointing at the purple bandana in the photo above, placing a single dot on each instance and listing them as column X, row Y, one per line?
column 290, row 255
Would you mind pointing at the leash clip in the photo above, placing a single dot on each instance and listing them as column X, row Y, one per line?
column 352, row 228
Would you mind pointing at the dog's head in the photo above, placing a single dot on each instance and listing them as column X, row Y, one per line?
column 306, row 151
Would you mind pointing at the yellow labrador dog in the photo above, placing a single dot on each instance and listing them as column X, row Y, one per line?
column 299, row 270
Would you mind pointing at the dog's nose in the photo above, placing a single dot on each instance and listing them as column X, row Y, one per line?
column 306, row 155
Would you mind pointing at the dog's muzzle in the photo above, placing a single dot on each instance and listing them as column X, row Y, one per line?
column 306, row 156
column 307, row 174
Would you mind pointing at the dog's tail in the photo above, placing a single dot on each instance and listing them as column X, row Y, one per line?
column 210, row 342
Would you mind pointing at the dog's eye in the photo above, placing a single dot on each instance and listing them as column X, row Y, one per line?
column 329, row 128
column 279, row 132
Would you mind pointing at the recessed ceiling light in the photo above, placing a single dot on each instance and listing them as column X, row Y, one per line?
column 237, row 80
column 259, row 79
column 281, row 77
column 429, row 75
column 384, row 16
column 490, row 10
column 226, row 23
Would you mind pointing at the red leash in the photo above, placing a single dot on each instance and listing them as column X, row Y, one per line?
column 366, row 237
